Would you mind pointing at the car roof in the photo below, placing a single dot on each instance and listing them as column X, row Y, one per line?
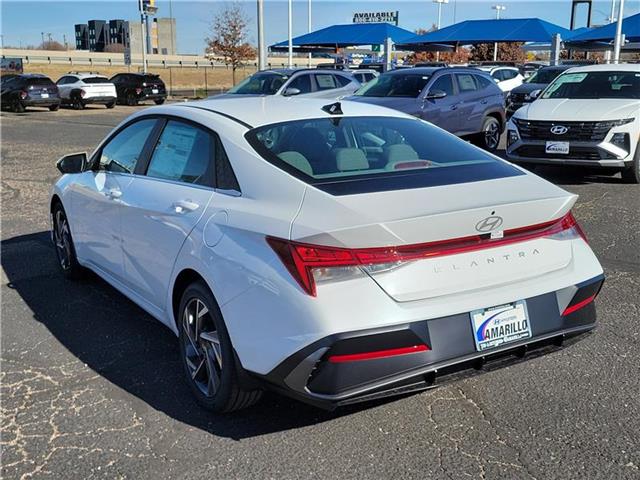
column 258, row 111
column 620, row 67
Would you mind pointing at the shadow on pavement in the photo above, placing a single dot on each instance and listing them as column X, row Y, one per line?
column 128, row 347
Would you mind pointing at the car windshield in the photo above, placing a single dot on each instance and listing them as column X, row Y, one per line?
column 595, row 85
column 260, row 84
column 544, row 75
column 89, row 80
column 39, row 82
column 151, row 79
column 339, row 149
column 395, row 85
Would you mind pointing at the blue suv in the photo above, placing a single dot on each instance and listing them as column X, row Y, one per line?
column 464, row 101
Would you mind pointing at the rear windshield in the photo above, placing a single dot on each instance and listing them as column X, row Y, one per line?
column 152, row 79
column 260, row 84
column 395, row 85
column 595, row 85
column 95, row 80
column 39, row 82
column 345, row 155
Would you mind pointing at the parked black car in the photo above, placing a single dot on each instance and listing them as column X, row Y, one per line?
column 29, row 90
column 133, row 88
column 521, row 95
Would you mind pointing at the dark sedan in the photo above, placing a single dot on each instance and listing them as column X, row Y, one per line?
column 521, row 95
column 29, row 90
column 466, row 102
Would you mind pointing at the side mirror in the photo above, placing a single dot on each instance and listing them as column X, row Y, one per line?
column 74, row 163
column 289, row 92
column 535, row 94
column 435, row 94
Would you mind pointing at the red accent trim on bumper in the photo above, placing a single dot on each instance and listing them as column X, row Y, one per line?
column 355, row 357
column 578, row 306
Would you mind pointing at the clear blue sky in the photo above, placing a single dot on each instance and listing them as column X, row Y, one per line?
column 24, row 20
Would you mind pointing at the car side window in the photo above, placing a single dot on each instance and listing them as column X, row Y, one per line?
column 466, row 82
column 497, row 75
column 342, row 80
column 509, row 74
column 326, row 81
column 483, row 82
column 123, row 151
column 444, row 84
column 184, row 153
column 302, row 83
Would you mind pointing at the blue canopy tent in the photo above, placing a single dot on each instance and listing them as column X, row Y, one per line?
column 489, row 31
column 605, row 35
column 350, row 35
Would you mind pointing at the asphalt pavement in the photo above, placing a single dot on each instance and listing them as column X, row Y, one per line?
column 92, row 386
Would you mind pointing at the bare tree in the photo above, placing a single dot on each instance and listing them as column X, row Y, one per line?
column 51, row 45
column 114, row 48
column 507, row 52
column 229, row 37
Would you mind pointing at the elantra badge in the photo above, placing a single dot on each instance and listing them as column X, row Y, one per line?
column 490, row 223
column 559, row 129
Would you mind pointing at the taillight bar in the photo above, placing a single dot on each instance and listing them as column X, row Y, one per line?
column 300, row 258
column 581, row 304
column 392, row 352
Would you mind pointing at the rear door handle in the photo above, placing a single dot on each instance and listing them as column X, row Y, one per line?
column 454, row 107
column 484, row 102
column 184, row 206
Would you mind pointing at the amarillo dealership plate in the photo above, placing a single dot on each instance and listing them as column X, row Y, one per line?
column 495, row 326
column 561, row 148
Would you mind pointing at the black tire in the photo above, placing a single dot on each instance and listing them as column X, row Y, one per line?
column 159, row 101
column 77, row 103
column 631, row 174
column 205, row 346
column 131, row 100
column 54, row 108
column 489, row 138
column 63, row 244
column 111, row 104
column 18, row 106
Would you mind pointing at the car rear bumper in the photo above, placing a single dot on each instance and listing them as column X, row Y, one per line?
column 99, row 100
column 152, row 96
column 315, row 376
column 40, row 102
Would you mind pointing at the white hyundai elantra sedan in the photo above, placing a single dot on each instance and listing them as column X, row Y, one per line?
column 334, row 253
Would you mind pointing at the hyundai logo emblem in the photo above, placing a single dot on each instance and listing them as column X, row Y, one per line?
column 559, row 129
column 488, row 224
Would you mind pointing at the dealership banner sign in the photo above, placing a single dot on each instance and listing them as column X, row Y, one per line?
column 376, row 17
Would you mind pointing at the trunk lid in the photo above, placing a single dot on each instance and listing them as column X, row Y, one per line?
column 408, row 217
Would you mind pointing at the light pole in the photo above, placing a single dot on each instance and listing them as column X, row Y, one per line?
column 143, row 37
column 439, row 2
column 611, row 19
column 262, row 53
column 618, row 41
column 290, row 60
column 309, row 26
column 498, row 9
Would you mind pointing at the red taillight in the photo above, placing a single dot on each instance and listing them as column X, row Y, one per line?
column 572, row 308
column 23, row 94
column 83, row 93
column 392, row 352
column 138, row 91
column 301, row 259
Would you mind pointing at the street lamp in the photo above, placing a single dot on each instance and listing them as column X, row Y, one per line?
column 290, row 59
column 262, row 50
column 498, row 9
column 440, row 2
column 619, row 36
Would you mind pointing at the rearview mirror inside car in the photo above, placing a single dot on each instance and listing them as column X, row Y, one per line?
column 73, row 163
column 535, row 94
column 435, row 94
column 291, row 91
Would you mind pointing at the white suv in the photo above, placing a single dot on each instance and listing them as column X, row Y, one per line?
column 507, row 78
column 81, row 88
column 587, row 116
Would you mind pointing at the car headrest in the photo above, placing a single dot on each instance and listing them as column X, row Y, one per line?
column 297, row 160
column 348, row 159
column 400, row 152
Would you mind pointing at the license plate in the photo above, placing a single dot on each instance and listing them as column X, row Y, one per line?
column 498, row 325
column 561, row 148
column 154, row 90
column 44, row 95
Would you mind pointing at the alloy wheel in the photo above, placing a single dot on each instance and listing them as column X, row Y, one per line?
column 202, row 348
column 62, row 239
column 492, row 135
